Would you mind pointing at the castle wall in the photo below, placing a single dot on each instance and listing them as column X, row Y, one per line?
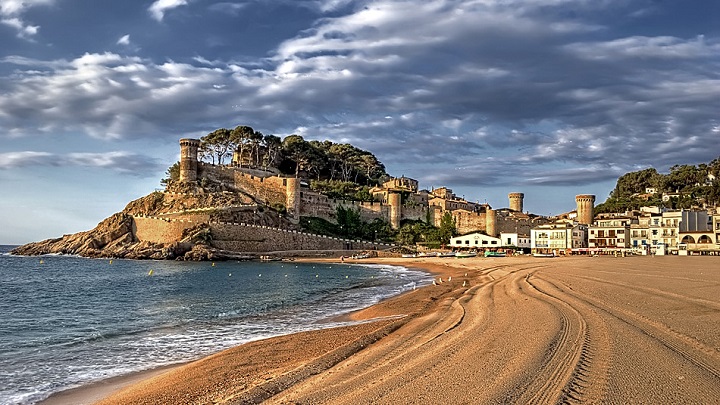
column 220, row 174
column 416, row 213
column 240, row 237
column 271, row 190
column 158, row 230
column 249, row 238
column 317, row 205
column 469, row 221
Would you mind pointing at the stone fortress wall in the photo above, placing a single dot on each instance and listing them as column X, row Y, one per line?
column 275, row 190
column 241, row 237
column 160, row 230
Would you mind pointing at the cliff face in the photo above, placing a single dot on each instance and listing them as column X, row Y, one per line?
column 112, row 237
column 115, row 236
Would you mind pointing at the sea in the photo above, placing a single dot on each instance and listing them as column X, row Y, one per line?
column 67, row 321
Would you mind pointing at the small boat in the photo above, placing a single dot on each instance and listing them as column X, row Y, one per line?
column 461, row 255
column 409, row 255
column 270, row 259
column 543, row 255
column 494, row 254
column 446, row 254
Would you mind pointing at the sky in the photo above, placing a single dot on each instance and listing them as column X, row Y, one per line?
column 552, row 98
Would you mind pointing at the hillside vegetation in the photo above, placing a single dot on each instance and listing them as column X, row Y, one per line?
column 686, row 186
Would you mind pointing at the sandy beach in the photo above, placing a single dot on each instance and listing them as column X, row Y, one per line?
column 639, row 330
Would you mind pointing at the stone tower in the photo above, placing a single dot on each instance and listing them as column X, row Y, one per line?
column 188, row 159
column 394, row 201
column 516, row 201
column 585, row 204
column 292, row 198
column 490, row 222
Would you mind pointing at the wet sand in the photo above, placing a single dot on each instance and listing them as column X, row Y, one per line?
column 521, row 330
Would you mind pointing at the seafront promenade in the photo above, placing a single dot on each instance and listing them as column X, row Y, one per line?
column 492, row 330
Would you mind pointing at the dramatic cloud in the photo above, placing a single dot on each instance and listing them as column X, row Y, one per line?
column 534, row 83
column 120, row 161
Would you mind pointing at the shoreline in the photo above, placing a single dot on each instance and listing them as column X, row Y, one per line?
column 96, row 391
column 502, row 330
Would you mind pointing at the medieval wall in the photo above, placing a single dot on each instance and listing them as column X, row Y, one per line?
column 220, row 174
column 318, row 205
column 521, row 226
column 469, row 221
column 416, row 213
column 271, row 190
column 159, row 230
column 250, row 238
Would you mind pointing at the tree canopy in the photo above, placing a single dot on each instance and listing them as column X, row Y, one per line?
column 693, row 184
column 293, row 155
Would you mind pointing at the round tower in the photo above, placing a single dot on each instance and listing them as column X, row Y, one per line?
column 490, row 222
column 292, row 198
column 516, row 201
column 394, row 201
column 585, row 204
column 188, row 159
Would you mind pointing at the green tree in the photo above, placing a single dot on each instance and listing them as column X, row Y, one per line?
column 241, row 135
column 218, row 145
column 172, row 173
column 349, row 221
column 273, row 146
column 447, row 228
column 298, row 151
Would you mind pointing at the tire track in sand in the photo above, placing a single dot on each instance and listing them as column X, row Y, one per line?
column 587, row 360
column 701, row 355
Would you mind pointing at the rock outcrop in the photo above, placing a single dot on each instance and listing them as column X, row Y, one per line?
column 115, row 236
column 112, row 237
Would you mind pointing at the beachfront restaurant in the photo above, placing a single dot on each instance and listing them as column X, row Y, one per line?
column 478, row 241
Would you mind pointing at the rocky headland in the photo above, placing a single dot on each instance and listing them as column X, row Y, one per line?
column 117, row 235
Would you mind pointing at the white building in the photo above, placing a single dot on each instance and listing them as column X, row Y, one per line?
column 558, row 237
column 475, row 240
column 510, row 239
column 664, row 231
column 610, row 234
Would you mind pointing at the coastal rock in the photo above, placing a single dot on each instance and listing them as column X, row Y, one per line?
column 112, row 237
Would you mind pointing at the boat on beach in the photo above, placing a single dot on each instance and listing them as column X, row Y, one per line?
column 446, row 254
column 543, row 255
column 462, row 255
column 494, row 254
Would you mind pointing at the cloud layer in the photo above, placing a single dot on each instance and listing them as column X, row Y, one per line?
column 565, row 92
column 120, row 161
